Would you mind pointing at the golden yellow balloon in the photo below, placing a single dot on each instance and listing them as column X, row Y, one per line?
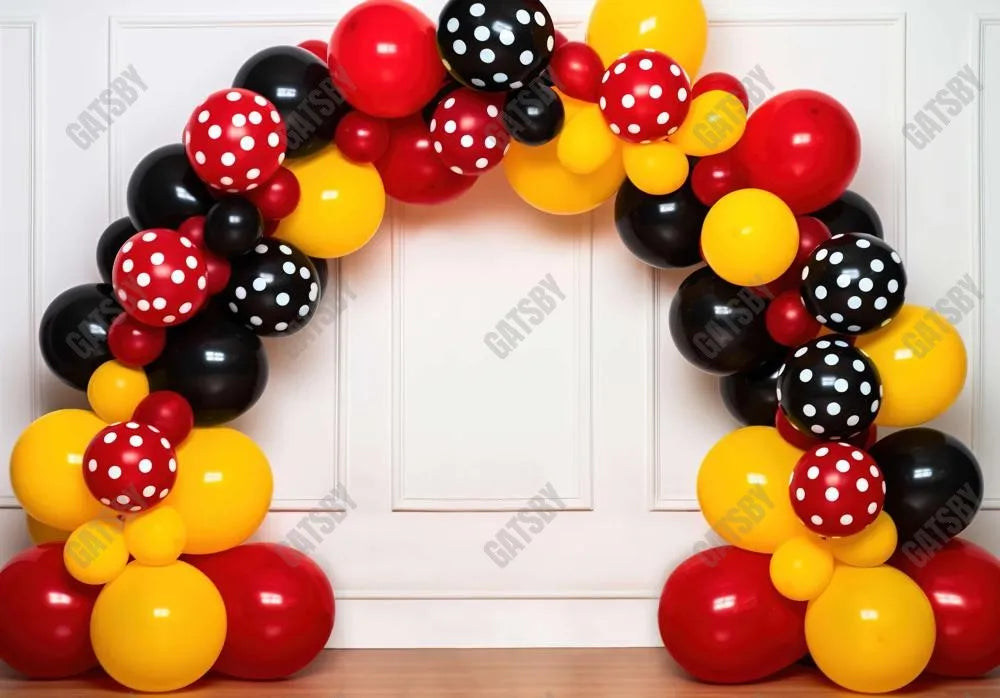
column 922, row 362
column 156, row 537
column 585, row 144
column 656, row 168
column 872, row 630
column 115, row 390
column 43, row 533
column 743, row 489
column 45, row 468
column 158, row 629
column 801, row 568
column 95, row 552
column 677, row 28
column 223, row 489
column 869, row 548
column 714, row 124
column 340, row 208
column 750, row 237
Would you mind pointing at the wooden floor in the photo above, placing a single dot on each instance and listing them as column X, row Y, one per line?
column 533, row 673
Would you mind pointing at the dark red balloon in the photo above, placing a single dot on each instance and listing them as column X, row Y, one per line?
column 802, row 146
column 723, row 621
column 561, row 40
column 194, row 230
column 717, row 175
column 384, row 58
column 167, row 411
column 279, row 608
column 45, row 631
column 789, row 322
column 218, row 271
column 413, row 172
column 721, row 81
column 270, row 228
column 812, row 233
column 804, row 442
column 133, row 343
column 962, row 582
column 362, row 138
column 576, row 70
column 317, row 47
column 278, row 196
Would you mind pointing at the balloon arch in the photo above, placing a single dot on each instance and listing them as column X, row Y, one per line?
column 837, row 543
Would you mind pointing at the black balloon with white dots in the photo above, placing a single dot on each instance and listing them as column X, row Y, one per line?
column 495, row 45
column 829, row 389
column 854, row 283
column 274, row 289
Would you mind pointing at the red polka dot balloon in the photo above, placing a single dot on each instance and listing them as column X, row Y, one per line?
column 837, row 490
column 129, row 467
column 159, row 277
column 235, row 140
column 468, row 132
column 644, row 96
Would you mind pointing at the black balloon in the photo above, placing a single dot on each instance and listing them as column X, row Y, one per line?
column 663, row 231
column 164, row 191
column 74, row 332
column 751, row 397
column 830, row 389
column 274, row 290
column 851, row 213
column 233, row 226
column 495, row 46
column 934, row 486
column 298, row 83
column 218, row 365
column 112, row 239
column 534, row 115
column 720, row 327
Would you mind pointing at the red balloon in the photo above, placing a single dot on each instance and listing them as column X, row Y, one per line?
column 802, row 146
column 789, row 322
column 217, row 270
column 277, row 197
column 194, row 230
column 561, row 40
column 384, row 58
column 723, row 621
column 362, row 138
column 962, row 582
column 805, row 442
column 576, row 70
column 411, row 169
column 317, row 47
column 812, row 233
column 722, row 81
column 45, row 633
column 167, row 411
column 270, row 228
column 134, row 344
column 279, row 607
column 717, row 175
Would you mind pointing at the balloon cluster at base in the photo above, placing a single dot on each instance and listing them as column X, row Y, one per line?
column 840, row 544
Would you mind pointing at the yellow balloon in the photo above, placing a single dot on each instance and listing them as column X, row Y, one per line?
column 95, row 552
column 223, row 489
column 43, row 533
column 801, row 568
column 45, row 468
column 714, row 124
column 340, row 208
column 677, row 28
column 158, row 628
column 656, row 168
column 869, row 548
column 743, row 489
column 872, row 630
column 114, row 391
column 922, row 362
column 750, row 237
column 156, row 537
column 585, row 144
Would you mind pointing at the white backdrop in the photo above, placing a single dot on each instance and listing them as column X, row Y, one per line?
column 436, row 439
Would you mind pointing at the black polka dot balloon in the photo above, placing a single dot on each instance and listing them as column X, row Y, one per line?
column 274, row 289
column 495, row 45
column 854, row 283
column 829, row 389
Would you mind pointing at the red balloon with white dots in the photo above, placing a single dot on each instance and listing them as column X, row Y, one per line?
column 160, row 278
column 645, row 96
column 837, row 490
column 468, row 132
column 130, row 467
column 235, row 140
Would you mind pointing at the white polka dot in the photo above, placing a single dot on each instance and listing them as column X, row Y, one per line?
column 477, row 9
column 813, row 472
column 226, row 180
column 866, row 285
column 492, row 111
column 467, row 141
column 843, row 280
column 846, row 520
column 453, row 24
column 177, row 276
column 273, row 140
column 816, row 520
column 303, row 310
column 143, row 279
column 123, row 499
column 877, row 265
column 836, row 258
column 881, row 303
column 831, row 359
column 477, row 82
column 854, row 302
column 527, row 57
column 253, row 173
column 832, row 494
column 862, row 484
column 459, row 47
column 822, row 451
column 482, row 33
column 859, row 365
column 256, row 321
column 114, row 472
column 304, row 273
column 159, row 303
column 143, row 304
column 169, row 319
column 655, row 91
column 893, row 286
column 800, row 494
column 809, row 410
column 540, row 19
column 164, row 492
column 234, row 308
column 896, row 258
column 185, row 308
column 821, row 254
column 247, row 143
column 833, row 409
column 619, row 69
column 128, row 265
column 282, row 299
column 227, row 159
column 481, row 163
column 280, row 326
column 523, row 16
column 682, row 94
column 450, row 127
column 259, row 284
column 506, row 37
column 240, row 292
column 203, row 116
column 164, row 443
column 675, row 69
column 662, row 118
column 487, row 55
column 135, row 440
column 843, row 466
column 239, row 120
column 615, row 129
column 214, row 131
column 500, row 77
column 255, row 117
column 92, row 465
column 105, row 501
column 841, row 385
column 200, row 158
column 233, row 96
column 634, row 129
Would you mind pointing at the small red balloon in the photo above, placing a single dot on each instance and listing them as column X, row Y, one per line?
column 789, row 322
column 804, row 442
column 133, row 343
column 644, row 96
column 468, row 132
column 277, row 197
column 317, row 47
column 167, row 411
column 576, row 70
column 129, row 467
column 715, row 176
column 194, row 230
column 812, row 233
column 721, row 81
column 837, row 490
column 362, row 138
column 561, row 40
